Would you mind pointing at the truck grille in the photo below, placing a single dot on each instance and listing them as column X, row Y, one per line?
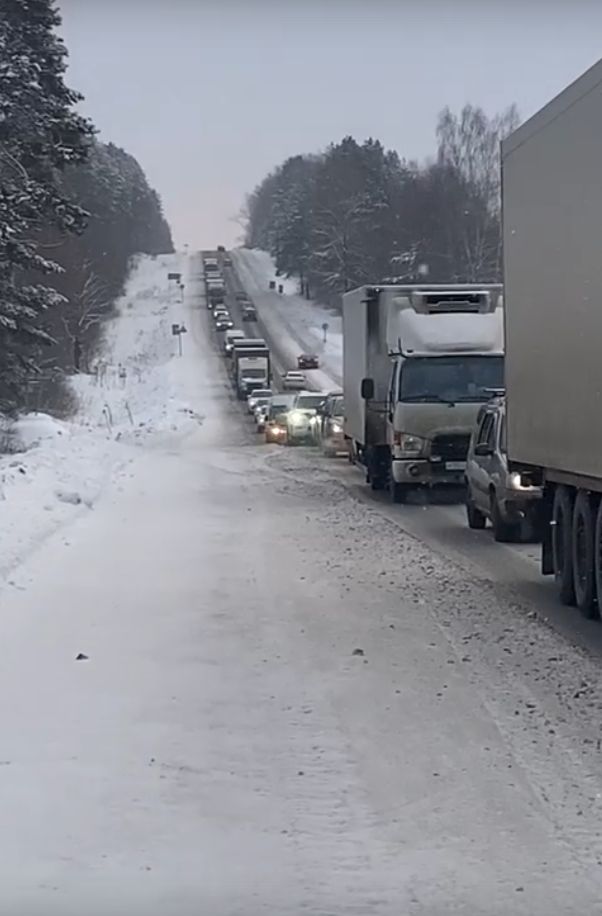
column 450, row 447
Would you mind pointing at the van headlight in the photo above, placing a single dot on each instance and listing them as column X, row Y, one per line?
column 516, row 481
column 409, row 445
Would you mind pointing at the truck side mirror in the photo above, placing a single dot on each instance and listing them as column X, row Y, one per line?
column 367, row 389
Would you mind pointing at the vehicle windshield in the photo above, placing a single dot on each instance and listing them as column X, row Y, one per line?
column 254, row 373
column 450, row 379
column 309, row 401
column 262, row 393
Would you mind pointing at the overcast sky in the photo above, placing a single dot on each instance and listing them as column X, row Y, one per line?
column 209, row 95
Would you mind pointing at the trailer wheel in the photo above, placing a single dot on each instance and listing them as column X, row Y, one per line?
column 562, row 522
column 582, row 542
column 598, row 554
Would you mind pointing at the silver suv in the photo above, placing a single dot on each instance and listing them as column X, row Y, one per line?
column 508, row 499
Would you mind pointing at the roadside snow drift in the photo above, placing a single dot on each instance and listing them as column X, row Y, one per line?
column 54, row 469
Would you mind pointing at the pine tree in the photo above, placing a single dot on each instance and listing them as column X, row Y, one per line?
column 40, row 134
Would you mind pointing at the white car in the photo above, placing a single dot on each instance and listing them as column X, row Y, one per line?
column 303, row 416
column 294, row 381
column 258, row 396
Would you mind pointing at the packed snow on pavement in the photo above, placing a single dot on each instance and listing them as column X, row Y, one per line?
column 230, row 687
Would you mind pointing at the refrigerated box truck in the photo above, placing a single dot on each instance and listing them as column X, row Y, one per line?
column 552, row 227
column 418, row 363
column 251, row 367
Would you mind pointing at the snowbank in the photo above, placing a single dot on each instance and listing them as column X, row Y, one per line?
column 55, row 469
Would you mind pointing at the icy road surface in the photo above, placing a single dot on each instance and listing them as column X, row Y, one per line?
column 286, row 705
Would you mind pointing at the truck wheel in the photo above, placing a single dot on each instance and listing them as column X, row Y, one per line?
column 503, row 532
column 476, row 519
column 582, row 541
column 598, row 554
column 562, row 526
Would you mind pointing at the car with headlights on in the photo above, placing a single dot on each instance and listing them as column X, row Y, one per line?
column 293, row 381
column 224, row 323
column 259, row 412
column 276, row 420
column 260, row 415
column 509, row 500
column 260, row 394
column 302, row 418
column 329, row 432
column 308, row 361
column 229, row 338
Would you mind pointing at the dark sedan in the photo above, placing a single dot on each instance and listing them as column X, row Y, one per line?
column 308, row 361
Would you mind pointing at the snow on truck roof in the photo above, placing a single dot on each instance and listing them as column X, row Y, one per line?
column 438, row 320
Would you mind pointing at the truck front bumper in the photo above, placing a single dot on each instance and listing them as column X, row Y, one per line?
column 421, row 472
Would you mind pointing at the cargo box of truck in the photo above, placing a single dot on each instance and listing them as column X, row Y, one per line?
column 552, row 226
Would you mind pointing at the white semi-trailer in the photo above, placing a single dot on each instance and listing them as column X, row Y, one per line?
column 552, row 218
column 418, row 362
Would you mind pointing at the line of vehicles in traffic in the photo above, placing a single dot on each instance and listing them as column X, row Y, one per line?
column 295, row 416
column 443, row 385
column 496, row 389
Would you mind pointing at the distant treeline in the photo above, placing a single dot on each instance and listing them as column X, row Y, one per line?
column 72, row 212
column 357, row 213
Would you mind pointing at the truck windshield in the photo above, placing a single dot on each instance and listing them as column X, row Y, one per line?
column 254, row 373
column 450, row 378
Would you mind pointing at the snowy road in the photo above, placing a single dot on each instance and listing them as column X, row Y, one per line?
column 288, row 704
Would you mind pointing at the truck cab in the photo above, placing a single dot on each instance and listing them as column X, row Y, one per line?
column 431, row 356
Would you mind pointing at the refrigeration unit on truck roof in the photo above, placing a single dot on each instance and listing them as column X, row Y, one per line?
column 443, row 320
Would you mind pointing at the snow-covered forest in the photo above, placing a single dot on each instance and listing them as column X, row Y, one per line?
column 358, row 213
column 72, row 212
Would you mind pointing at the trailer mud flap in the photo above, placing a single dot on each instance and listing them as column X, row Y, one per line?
column 547, row 553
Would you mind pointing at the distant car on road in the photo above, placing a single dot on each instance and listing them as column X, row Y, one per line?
column 249, row 313
column 224, row 324
column 220, row 248
column 308, row 361
column 220, row 312
column 508, row 499
column 294, row 381
column 241, row 296
column 301, row 419
column 260, row 394
column 227, row 261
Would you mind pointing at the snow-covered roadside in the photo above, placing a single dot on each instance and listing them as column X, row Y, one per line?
column 293, row 321
column 61, row 467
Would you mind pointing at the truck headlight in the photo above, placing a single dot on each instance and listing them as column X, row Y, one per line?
column 409, row 445
column 337, row 428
